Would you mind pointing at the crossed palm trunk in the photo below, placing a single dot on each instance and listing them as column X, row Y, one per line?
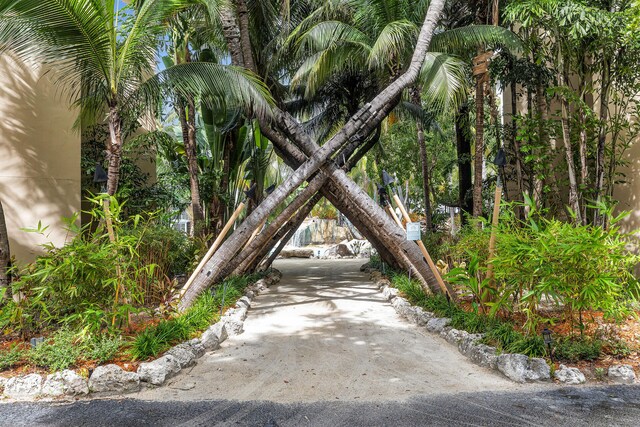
column 349, row 198
column 318, row 186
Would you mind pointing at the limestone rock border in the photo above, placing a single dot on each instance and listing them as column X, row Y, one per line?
column 111, row 379
column 517, row 367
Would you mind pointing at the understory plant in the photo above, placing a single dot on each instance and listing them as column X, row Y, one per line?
column 93, row 282
column 543, row 265
column 179, row 327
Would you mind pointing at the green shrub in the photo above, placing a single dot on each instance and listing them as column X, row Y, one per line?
column 59, row 352
column 11, row 357
column 90, row 282
column 575, row 349
column 101, row 348
column 579, row 267
column 154, row 340
column 169, row 251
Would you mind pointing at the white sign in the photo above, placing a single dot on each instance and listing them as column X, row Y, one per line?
column 413, row 231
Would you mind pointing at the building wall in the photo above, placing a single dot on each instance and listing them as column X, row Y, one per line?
column 39, row 157
column 628, row 193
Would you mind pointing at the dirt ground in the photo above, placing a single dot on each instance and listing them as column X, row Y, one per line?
column 325, row 333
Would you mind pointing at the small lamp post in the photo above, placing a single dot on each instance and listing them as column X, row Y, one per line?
column 546, row 336
column 100, row 177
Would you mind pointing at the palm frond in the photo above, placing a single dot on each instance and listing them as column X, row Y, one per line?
column 218, row 85
column 443, row 81
column 474, row 37
column 396, row 39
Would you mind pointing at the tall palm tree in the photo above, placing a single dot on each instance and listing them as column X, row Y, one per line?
column 103, row 57
column 357, row 128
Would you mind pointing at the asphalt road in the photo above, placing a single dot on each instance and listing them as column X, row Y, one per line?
column 568, row 406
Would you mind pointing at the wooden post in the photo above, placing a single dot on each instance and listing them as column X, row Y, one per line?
column 112, row 238
column 443, row 286
column 255, row 233
column 492, row 239
column 393, row 215
column 108, row 221
column 214, row 247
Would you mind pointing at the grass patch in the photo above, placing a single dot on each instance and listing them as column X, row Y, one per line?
column 205, row 311
column 498, row 333
column 575, row 349
column 12, row 357
column 501, row 333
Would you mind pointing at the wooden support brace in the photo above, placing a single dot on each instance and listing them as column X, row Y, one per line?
column 443, row 286
column 214, row 247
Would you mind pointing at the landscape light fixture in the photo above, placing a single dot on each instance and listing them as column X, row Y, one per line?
column 251, row 192
column 100, row 176
column 546, row 336
column 387, row 179
column 270, row 189
column 500, row 159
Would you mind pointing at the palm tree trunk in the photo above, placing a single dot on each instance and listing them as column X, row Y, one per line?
column 231, row 33
column 114, row 149
column 5, row 253
column 479, row 149
column 463, row 148
column 283, row 235
column 186, row 113
column 363, row 123
column 245, row 38
column 416, row 99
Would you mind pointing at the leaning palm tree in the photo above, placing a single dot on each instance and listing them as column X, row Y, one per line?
column 374, row 39
column 103, row 57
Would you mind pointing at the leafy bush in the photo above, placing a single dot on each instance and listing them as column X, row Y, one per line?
column 575, row 349
column 101, row 348
column 581, row 267
column 90, row 282
column 169, row 251
column 11, row 357
column 59, row 352
column 545, row 260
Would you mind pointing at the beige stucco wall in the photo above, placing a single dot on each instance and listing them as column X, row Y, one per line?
column 628, row 193
column 39, row 157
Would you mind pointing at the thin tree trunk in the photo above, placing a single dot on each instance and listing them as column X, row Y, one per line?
column 186, row 113
column 114, row 149
column 571, row 169
column 416, row 99
column 5, row 253
column 479, row 149
column 463, row 148
column 602, row 135
column 516, row 147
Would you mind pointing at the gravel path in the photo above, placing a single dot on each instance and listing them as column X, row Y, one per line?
column 325, row 333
